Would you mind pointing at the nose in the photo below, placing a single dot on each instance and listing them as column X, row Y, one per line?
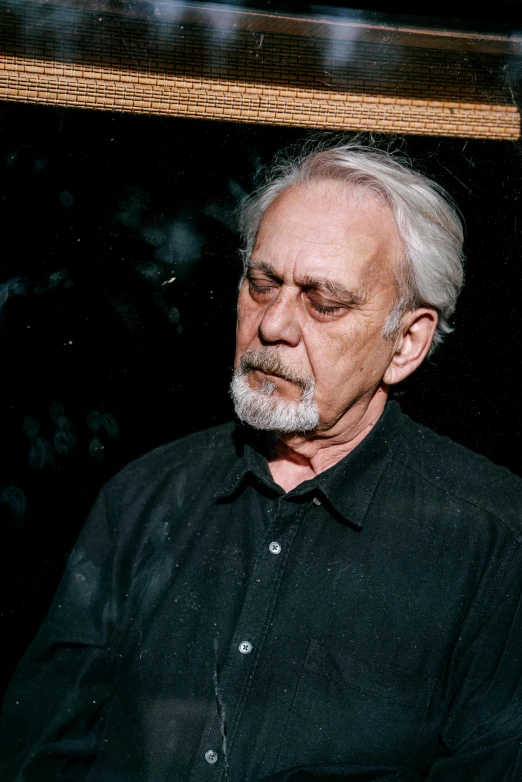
column 279, row 323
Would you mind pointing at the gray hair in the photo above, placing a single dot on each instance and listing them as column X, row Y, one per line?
column 431, row 269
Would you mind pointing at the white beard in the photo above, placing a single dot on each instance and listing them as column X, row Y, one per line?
column 261, row 408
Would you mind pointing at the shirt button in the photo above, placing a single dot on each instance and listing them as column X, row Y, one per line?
column 245, row 647
column 211, row 756
column 275, row 547
column 316, row 501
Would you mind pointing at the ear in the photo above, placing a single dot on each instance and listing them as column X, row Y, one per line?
column 416, row 336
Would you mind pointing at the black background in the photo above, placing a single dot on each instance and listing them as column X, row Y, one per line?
column 104, row 359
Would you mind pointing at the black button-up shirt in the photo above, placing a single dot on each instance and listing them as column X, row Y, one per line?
column 365, row 625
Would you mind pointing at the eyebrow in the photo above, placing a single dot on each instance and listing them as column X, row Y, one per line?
column 309, row 283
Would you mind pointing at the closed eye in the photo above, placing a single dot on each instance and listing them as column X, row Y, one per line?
column 260, row 286
column 265, row 285
column 325, row 309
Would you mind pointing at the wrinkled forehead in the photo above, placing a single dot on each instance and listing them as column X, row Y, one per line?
column 327, row 227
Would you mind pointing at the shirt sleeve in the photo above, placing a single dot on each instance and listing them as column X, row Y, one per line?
column 53, row 710
column 481, row 738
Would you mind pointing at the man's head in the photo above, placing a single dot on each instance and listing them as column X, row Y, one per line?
column 352, row 269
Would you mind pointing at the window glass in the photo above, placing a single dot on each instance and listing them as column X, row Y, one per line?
column 120, row 258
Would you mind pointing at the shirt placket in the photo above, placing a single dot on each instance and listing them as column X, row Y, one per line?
column 237, row 673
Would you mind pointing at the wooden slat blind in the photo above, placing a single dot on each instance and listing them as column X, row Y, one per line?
column 219, row 63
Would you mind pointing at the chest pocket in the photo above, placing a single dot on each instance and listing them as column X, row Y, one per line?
column 347, row 710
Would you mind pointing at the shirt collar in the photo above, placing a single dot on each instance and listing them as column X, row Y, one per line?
column 346, row 488
column 254, row 449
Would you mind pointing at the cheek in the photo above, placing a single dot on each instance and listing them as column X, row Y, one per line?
column 248, row 317
column 343, row 356
column 327, row 351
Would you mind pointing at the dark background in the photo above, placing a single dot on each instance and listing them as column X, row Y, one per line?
column 104, row 359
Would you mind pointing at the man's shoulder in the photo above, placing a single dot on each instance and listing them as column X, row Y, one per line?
column 469, row 477
column 197, row 445
column 190, row 457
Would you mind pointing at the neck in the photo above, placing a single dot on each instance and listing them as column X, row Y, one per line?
column 301, row 458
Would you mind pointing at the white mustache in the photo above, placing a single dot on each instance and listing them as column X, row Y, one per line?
column 269, row 361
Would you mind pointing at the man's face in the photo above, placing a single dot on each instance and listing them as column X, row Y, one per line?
column 316, row 295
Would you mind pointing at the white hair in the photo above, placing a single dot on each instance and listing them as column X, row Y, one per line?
column 431, row 270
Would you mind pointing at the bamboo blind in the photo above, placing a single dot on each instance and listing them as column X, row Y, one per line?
column 173, row 59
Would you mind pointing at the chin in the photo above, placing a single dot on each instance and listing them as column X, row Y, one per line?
column 266, row 409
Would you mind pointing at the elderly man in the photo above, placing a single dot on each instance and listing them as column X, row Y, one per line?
column 326, row 591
